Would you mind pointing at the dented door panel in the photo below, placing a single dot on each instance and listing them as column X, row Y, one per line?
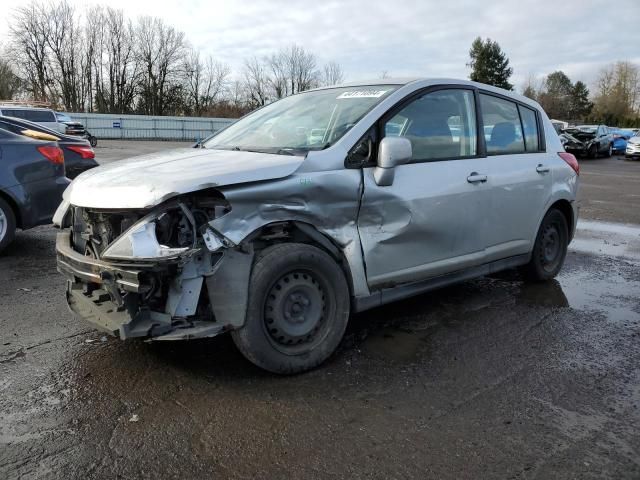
column 430, row 221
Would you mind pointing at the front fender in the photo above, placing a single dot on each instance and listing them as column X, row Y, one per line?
column 328, row 200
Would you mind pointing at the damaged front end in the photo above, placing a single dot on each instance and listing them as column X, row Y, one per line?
column 578, row 142
column 162, row 274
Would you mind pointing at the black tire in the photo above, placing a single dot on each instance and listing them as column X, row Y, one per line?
column 593, row 151
column 298, row 309
column 610, row 151
column 7, row 225
column 550, row 248
column 93, row 141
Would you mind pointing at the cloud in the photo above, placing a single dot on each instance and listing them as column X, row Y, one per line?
column 408, row 38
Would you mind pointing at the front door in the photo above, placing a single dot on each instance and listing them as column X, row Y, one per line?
column 430, row 220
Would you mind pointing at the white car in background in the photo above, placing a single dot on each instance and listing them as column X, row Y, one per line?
column 633, row 147
column 42, row 116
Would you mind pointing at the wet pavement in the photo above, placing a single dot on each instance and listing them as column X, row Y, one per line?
column 493, row 378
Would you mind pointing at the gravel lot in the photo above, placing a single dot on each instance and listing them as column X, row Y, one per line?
column 493, row 378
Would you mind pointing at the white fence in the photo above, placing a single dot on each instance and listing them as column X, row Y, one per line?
column 114, row 126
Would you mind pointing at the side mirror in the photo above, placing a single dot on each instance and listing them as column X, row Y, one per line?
column 393, row 151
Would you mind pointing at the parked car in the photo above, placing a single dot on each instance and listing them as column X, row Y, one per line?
column 71, row 127
column 620, row 138
column 42, row 116
column 265, row 232
column 76, row 128
column 78, row 154
column 633, row 147
column 31, row 183
column 589, row 141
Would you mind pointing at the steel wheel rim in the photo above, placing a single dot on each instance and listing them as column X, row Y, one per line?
column 295, row 312
column 551, row 248
column 4, row 224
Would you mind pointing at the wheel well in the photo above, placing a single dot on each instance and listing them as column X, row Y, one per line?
column 565, row 208
column 14, row 207
column 300, row 232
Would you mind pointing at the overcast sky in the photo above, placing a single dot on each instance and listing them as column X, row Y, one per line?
column 407, row 38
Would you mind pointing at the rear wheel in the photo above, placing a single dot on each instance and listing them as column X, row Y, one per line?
column 7, row 224
column 550, row 248
column 298, row 309
column 610, row 151
column 93, row 141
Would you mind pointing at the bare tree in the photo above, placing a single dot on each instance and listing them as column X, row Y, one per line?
column 332, row 74
column 63, row 37
column 278, row 65
column 119, row 69
column 160, row 49
column 302, row 69
column 29, row 42
column 9, row 82
column 256, row 82
column 205, row 81
column 617, row 95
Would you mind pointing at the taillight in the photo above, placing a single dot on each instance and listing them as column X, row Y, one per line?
column 571, row 160
column 82, row 150
column 53, row 154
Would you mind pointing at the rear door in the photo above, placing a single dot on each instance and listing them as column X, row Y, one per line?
column 519, row 175
column 430, row 221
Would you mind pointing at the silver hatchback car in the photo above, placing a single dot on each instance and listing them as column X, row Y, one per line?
column 325, row 203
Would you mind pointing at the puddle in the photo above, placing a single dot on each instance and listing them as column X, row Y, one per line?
column 604, row 238
column 393, row 344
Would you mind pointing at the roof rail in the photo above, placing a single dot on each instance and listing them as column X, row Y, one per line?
column 26, row 103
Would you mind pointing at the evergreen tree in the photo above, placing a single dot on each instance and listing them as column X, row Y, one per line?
column 489, row 64
column 580, row 104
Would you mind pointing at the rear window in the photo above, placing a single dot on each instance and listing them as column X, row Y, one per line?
column 530, row 127
column 31, row 115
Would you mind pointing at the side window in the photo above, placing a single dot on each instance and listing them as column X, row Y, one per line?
column 530, row 126
column 31, row 115
column 39, row 116
column 439, row 124
column 502, row 129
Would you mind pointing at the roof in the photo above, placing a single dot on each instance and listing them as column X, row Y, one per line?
column 23, row 107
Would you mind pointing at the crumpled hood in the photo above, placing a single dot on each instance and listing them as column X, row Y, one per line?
column 147, row 180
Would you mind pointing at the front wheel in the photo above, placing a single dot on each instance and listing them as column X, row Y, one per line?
column 550, row 248
column 93, row 141
column 298, row 309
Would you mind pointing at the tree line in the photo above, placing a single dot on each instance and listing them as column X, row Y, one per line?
column 99, row 60
column 616, row 100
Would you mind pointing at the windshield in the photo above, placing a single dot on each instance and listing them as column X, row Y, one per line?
column 299, row 123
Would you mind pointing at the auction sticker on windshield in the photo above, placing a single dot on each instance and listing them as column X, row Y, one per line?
column 363, row 94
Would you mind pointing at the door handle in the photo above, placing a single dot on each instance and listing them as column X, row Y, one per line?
column 475, row 177
column 542, row 168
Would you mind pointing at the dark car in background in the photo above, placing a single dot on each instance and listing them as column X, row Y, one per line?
column 75, row 128
column 78, row 153
column 71, row 127
column 588, row 140
column 32, row 180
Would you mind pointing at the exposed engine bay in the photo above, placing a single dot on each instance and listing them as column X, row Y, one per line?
column 150, row 265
